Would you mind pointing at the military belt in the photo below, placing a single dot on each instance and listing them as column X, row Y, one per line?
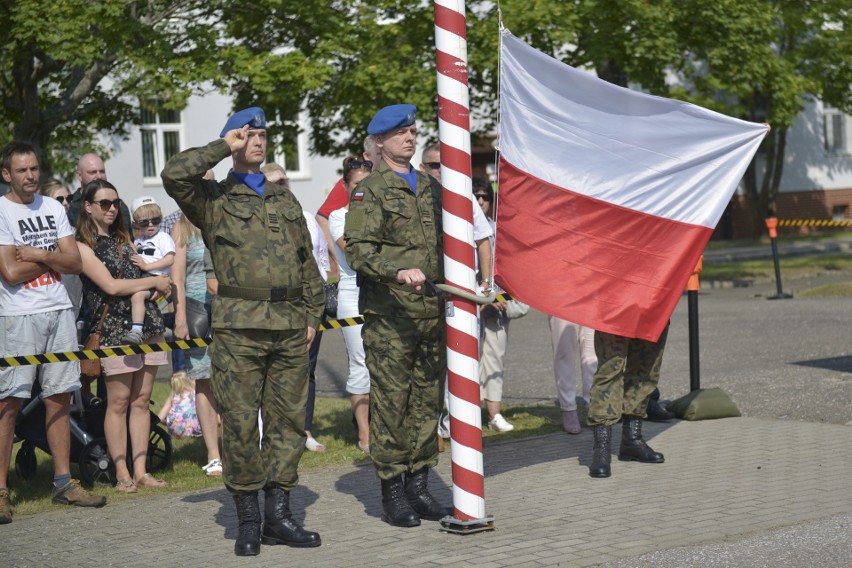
column 279, row 294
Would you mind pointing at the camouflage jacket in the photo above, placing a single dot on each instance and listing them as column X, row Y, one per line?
column 388, row 228
column 256, row 242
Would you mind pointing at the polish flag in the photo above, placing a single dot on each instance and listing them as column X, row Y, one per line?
column 607, row 196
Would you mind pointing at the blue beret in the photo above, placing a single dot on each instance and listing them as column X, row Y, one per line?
column 390, row 117
column 252, row 116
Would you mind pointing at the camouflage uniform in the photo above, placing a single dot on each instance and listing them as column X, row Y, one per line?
column 388, row 228
column 628, row 372
column 270, row 290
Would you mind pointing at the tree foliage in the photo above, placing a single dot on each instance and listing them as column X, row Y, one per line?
column 75, row 69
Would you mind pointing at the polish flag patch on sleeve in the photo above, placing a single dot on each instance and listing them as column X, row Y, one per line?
column 358, row 196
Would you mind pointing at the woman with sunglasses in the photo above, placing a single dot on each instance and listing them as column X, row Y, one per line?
column 109, row 279
column 495, row 329
column 57, row 190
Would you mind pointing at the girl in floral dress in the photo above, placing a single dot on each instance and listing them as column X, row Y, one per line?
column 178, row 412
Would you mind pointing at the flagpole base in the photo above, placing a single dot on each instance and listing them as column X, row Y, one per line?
column 457, row 526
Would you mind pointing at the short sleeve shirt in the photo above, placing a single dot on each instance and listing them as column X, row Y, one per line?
column 39, row 224
column 156, row 248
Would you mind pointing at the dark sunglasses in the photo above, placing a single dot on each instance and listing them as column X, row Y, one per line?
column 485, row 196
column 106, row 204
column 433, row 165
column 355, row 164
column 63, row 199
column 147, row 222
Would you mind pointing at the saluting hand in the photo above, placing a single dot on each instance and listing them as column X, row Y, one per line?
column 237, row 138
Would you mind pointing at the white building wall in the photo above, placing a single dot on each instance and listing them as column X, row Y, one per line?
column 808, row 165
column 203, row 120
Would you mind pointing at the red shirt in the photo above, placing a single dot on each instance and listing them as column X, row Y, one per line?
column 337, row 198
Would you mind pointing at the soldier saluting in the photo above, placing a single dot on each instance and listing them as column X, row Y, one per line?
column 265, row 315
column 394, row 242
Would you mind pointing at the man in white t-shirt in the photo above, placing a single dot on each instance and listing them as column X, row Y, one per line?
column 36, row 316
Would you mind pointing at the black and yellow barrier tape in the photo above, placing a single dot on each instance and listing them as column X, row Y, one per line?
column 66, row 356
column 813, row 223
column 21, row 360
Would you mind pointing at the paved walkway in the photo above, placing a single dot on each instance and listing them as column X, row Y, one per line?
column 723, row 481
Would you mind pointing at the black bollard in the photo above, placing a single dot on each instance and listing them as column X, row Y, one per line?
column 771, row 225
column 692, row 288
column 694, row 367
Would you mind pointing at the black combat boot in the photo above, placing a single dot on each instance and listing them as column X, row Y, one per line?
column 423, row 503
column 395, row 508
column 656, row 411
column 248, row 516
column 278, row 524
column 633, row 447
column 601, row 452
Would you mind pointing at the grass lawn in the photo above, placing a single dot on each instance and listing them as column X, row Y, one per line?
column 790, row 268
column 764, row 240
column 332, row 426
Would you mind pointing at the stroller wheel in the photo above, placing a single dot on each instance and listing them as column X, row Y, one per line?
column 95, row 464
column 25, row 461
column 159, row 448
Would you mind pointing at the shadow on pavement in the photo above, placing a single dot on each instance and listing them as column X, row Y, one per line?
column 300, row 499
column 842, row 364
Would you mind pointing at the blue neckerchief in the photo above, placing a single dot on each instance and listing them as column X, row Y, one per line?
column 254, row 181
column 411, row 178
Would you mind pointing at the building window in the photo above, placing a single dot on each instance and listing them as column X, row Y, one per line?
column 162, row 132
column 835, row 126
column 838, row 213
column 291, row 150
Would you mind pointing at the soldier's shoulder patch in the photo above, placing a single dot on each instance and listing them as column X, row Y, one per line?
column 358, row 196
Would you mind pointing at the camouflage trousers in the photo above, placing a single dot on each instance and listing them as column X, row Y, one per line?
column 407, row 360
column 260, row 370
column 628, row 372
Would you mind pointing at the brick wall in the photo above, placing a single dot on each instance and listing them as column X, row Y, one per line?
column 737, row 222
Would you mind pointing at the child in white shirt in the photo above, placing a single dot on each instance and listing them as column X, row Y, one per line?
column 155, row 255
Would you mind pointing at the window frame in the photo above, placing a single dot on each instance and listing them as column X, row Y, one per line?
column 835, row 121
column 159, row 129
column 304, row 171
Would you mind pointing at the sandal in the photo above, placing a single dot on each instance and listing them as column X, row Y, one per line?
column 126, row 485
column 150, row 482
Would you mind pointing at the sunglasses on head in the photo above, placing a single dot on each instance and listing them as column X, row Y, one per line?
column 106, row 204
column 484, row 196
column 433, row 165
column 355, row 164
column 148, row 222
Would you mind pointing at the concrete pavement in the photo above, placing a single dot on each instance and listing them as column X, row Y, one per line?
column 770, row 489
column 722, row 480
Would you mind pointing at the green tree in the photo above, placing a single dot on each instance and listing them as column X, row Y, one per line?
column 74, row 69
column 760, row 61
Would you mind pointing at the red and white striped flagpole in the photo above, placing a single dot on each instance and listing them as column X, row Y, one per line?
column 459, row 271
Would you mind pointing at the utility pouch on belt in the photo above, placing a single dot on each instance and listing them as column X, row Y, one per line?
column 280, row 294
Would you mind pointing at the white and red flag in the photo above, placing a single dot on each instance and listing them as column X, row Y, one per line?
column 607, row 196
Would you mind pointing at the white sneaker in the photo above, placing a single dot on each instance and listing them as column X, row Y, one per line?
column 214, row 468
column 313, row 445
column 500, row 424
